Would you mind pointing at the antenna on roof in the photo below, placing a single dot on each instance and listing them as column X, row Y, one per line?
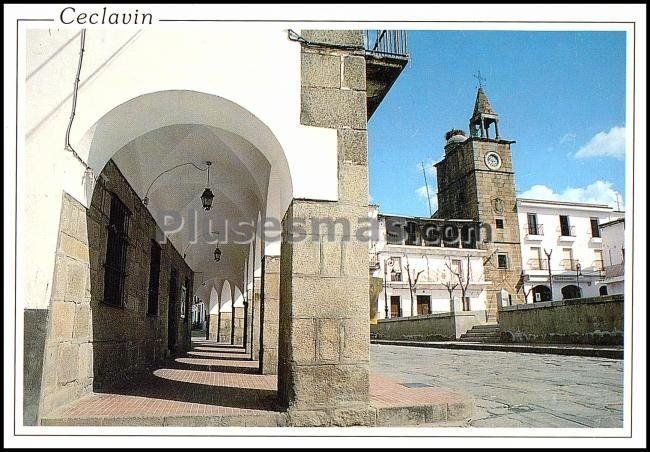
column 618, row 205
column 426, row 184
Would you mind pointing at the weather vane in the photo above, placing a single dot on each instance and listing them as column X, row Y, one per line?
column 480, row 79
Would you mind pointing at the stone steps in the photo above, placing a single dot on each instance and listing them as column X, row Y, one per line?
column 488, row 333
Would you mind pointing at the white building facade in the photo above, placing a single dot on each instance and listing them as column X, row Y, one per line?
column 613, row 235
column 421, row 276
column 562, row 242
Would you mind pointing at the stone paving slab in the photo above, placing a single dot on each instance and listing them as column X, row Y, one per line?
column 218, row 385
column 613, row 352
column 515, row 389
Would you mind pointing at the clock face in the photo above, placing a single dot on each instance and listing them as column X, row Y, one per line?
column 492, row 160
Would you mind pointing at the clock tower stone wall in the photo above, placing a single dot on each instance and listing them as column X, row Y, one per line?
column 476, row 181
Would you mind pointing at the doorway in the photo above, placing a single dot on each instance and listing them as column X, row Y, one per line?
column 395, row 306
column 172, row 327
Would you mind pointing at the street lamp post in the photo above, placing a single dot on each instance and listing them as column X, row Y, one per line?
column 386, row 263
column 578, row 278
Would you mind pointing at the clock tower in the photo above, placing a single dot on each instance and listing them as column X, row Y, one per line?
column 476, row 181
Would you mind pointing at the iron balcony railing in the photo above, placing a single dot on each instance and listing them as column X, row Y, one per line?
column 567, row 231
column 537, row 264
column 391, row 43
column 570, row 264
column 535, row 229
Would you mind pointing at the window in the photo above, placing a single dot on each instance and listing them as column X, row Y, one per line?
column 602, row 290
column 116, row 253
column 502, row 260
column 499, row 223
column 457, row 267
column 567, row 259
column 424, row 304
column 395, row 265
column 595, row 229
column 154, row 279
column 598, row 260
column 532, row 224
column 535, row 258
column 565, row 229
column 183, row 300
column 186, row 297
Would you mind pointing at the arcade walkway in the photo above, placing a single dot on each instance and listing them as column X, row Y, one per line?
column 218, row 384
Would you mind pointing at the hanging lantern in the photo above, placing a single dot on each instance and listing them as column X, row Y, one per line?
column 217, row 254
column 207, row 196
column 206, row 199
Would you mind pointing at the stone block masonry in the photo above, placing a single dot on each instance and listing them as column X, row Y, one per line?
column 90, row 345
column 323, row 374
column 270, row 305
column 594, row 321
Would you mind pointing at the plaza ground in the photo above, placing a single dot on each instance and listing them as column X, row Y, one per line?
column 216, row 384
column 515, row 389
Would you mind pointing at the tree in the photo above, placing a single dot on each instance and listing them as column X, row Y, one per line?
column 413, row 281
column 463, row 282
column 521, row 286
column 450, row 285
column 550, row 275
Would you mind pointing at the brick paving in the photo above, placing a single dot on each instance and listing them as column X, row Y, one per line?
column 216, row 379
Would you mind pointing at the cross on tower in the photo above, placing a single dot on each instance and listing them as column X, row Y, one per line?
column 480, row 79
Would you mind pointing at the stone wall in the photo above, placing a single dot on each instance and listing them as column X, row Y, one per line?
column 91, row 345
column 467, row 188
column 323, row 374
column 431, row 327
column 596, row 321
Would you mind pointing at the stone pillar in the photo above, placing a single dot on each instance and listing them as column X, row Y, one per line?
column 225, row 327
column 256, row 324
column 323, row 375
column 238, row 332
column 269, row 315
column 213, row 327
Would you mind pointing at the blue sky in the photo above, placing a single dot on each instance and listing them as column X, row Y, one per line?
column 560, row 95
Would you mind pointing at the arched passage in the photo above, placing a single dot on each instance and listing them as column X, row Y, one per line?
column 153, row 151
column 541, row 293
column 571, row 291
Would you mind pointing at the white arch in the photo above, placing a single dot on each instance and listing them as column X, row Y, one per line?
column 238, row 297
column 152, row 111
column 226, row 297
column 214, row 301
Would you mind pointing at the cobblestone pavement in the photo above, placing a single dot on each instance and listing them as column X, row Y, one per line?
column 515, row 389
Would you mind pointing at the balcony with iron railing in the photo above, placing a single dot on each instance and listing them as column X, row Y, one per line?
column 537, row 264
column 567, row 234
column 598, row 265
column 534, row 231
column 386, row 53
column 570, row 264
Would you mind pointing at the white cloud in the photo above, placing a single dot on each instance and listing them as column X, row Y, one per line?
column 422, row 194
column 598, row 192
column 605, row 144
